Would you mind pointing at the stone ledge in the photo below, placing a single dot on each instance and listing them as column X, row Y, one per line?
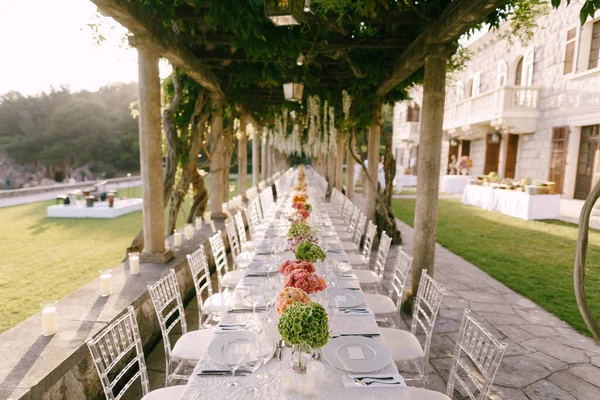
column 60, row 366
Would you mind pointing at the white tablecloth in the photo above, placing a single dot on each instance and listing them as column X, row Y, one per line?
column 454, row 184
column 513, row 203
column 208, row 387
column 409, row 180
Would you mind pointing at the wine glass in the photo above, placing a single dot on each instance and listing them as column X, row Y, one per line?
column 233, row 357
column 266, row 346
column 334, row 311
column 254, row 296
column 252, row 361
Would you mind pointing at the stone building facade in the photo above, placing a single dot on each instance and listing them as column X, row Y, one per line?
column 522, row 111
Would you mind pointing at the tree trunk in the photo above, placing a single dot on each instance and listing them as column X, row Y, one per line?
column 217, row 160
column 339, row 161
column 350, row 168
column 372, row 191
column 243, row 154
column 428, row 165
column 255, row 157
column 386, row 221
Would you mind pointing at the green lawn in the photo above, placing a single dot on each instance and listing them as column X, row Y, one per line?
column 534, row 258
column 43, row 258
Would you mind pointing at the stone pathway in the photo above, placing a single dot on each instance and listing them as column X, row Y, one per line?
column 546, row 358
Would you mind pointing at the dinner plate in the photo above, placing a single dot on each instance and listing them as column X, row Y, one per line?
column 344, row 267
column 346, row 297
column 357, row 354
column 215, row 348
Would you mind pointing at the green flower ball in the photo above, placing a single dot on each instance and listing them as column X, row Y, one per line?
column 304, row 324
column 308, row 251
column 299, row 229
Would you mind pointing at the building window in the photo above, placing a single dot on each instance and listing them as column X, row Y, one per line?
column 412, row 114
column 469, row 89
column 595, row 48
column 519, row 72
column 502, row 73
column 570, row 51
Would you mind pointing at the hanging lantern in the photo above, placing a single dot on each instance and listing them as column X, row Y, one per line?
column 453, row 142
column 284, row 12
column 495, row 138
column 300, row 59
column 307, row 6
column 293, row 91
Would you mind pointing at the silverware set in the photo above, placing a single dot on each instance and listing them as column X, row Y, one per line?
column 367, row 335
column 223, row 372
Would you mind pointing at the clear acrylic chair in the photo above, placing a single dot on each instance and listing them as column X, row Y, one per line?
column 241, row 259
column 346, row 231
column 190, row 346
column 477, row 356
column 118, row 356
column 387, row 308
column 210, row 306
column 405, row 346
column 241, row 228
column 364, row 258
column 359, row 229
column 227, row 279
column 373, row 278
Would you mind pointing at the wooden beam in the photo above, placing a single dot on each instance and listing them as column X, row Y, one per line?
column 141, row 22
column 455, row 20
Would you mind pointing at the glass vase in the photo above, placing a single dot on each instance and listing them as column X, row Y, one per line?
column 301, row 355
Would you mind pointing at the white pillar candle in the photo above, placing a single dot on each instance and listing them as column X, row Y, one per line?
column 307, row 385
column 287, row 381
column 49, row 318
column 105, row 283
column 317, row 370
column 207, row 216
column 134, row 263
column 177, row 239
column 198, row 223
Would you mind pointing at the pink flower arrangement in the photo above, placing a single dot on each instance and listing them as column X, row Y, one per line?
column 290, row 295
column 307, row 281
column 296, row 265
column 299, row 206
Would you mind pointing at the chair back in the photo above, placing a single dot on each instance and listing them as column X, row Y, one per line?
column 233, row 238
column 201, row 276
column 119, row 345
column 402, row 266
column 220, row 255
column 426, row 308
column 346, row 206
column 353, row 220
column 382, row 253
column 484, row 353
column 371, row 230
column 241, row 228
column 359, row 230
column 169, row 309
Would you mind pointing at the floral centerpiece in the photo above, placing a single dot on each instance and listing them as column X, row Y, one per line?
column 299, row 198
column 289, row 296
column 305, row 327
column 308, row 250
column 298, row 232
column 290, row 266
column 307, row 281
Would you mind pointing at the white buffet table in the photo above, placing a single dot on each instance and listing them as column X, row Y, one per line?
column 454, row 184
column 514, row 203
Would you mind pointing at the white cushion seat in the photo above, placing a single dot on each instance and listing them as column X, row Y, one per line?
column 358, row 259
column 217, row 303
column 350, row 246
column 380, row 304
column 366, row 277
column 190, row 347
column 415, row 393
column 167, row 393
column 250, row 245
column 403, row 345
column 231, row 279
column 345, row 235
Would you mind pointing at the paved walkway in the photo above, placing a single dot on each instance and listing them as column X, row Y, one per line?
column 546, row 358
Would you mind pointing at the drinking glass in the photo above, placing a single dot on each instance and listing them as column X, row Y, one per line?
column 266, row 346
column 252, row 361
column 334, row 312
column 254, row 296
column 233, row 357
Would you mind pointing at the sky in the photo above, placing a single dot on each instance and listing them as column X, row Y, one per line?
column 45, row 43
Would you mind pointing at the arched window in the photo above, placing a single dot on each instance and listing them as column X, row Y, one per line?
column 460, row 91
column 519, row 72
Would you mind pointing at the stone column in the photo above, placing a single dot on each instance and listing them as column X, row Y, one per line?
column 370, row 188
column 217, row 159
column 428, row 163
column 243, row 155
column 153, row 210
column 331, row 169
column 256, row 156
column 350, row 169
column 264, row 158
column 339, row 161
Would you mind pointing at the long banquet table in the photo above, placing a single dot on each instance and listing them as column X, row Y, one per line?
column 209, row 387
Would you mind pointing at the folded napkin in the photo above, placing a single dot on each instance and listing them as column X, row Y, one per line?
column 363, row 381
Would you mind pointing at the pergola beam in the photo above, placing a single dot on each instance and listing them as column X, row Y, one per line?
column 136, row 18
column 457, row 19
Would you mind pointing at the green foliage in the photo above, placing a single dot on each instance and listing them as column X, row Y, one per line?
column 299, row 229
column 309, row 251
column 304, row 324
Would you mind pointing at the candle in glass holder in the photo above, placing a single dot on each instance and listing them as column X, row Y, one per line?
column 198, row 223
column 177, row 239
column 287, row 381
column 207, row 215
column 105, row 282
column 188, row 231
column 307, row 385
column 134, row 263
column 49, row 318
column 212, row 226
column 316, row 369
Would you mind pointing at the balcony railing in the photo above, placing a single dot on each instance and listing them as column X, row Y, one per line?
column 516, row 107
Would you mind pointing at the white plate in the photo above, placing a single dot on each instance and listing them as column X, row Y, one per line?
column 345, row 267
column 215, row 348
column 376, row 355
column 346, row 297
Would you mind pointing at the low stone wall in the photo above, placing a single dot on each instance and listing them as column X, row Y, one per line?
column 64, row 187
column 60, row 366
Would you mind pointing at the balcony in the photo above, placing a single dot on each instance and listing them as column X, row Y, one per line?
column 509, row 109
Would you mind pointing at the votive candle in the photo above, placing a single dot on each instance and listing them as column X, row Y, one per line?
column 212, row 226
column 307, row 385
column 105, row 282
column 134, row 263
column 49, row 318
column 287, row 381
column 316, row 369
column 198, row 223
column 177, row 239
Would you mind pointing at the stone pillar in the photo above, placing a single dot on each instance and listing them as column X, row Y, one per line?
column 256, row 156
column 217, row 159
column 350, row 169
column 264, row 157
column 370, row 188
column 153, row 210
column 243, row 155
column 331, row 169
column 428, row 163
column 339, row 161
